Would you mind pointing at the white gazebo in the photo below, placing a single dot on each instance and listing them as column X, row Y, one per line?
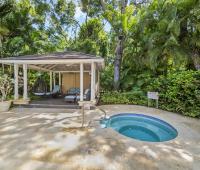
column 57, row 63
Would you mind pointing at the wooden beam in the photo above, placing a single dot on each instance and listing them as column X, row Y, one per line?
column 34, row 67
column 52, row 66
column 63, row 71
column 45, row 66
column 49, row 66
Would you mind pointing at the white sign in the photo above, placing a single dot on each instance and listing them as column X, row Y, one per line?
column 153, row 95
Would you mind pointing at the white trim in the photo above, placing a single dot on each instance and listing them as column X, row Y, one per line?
column 25, row 93
column 51, row 86
column 60, row 80
column 16, row 70
column 81, row 82
column 54, row 79
column 92, row 81
column 98, row 82
column 60, row 61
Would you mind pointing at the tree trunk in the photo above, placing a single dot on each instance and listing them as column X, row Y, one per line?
column 119, row 51
column 196, row 59
column 119, row 47
column 117, row 62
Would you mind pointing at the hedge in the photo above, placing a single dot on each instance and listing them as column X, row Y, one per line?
column 179, row 92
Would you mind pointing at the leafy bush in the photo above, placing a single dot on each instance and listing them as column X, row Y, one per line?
column 5, row 86
column 107, row 78
column 113, row 97
column 179, row 92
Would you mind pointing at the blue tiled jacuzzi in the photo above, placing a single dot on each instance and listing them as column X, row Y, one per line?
column 141, row 127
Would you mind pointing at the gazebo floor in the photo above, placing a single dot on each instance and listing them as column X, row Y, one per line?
column 50, row 103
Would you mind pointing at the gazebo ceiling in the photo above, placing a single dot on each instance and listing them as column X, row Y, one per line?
column 62, row 67
column 58, row 62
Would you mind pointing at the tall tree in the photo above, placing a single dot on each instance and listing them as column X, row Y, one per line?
column 61, row 19
column 35, row 26
column 120, row 15
column 92, row 38
column 6, row 7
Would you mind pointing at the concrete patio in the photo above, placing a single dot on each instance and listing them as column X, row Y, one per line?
column 40, row 139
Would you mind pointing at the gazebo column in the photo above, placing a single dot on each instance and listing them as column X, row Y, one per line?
column 60, row 82
column 51, row 87
column 25, row 94
column 16, row 86
column 98, row 82
column 81, row 82
column 54, row 79
column 92, row 81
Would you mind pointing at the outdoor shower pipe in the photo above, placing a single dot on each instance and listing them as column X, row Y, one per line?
column 105, row 115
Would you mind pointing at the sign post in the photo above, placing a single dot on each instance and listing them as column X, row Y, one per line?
column 154, row 96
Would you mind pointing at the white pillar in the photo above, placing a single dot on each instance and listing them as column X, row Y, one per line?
column 51, row 87
column 98, row 82
column 25, row 94
column 60, row 83
column 60, row 79
column 54, row 79
column 81, row 82
column 16, row 94
column 92, row 81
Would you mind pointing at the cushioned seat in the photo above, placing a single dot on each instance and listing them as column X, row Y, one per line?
column 73, row 91
column 86, row 95
column 70, row 98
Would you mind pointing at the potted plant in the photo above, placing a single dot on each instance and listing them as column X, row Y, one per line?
column 5, row 88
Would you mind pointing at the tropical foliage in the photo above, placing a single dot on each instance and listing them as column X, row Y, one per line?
column 5, row 86
column 179, row 92
column 143, row 42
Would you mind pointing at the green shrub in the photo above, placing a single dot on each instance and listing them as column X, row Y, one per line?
column 107, row 78
column 123, row 98
column 179, row 92
column 6, row 85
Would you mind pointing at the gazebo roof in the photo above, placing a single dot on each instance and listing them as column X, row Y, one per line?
column 59, row 61
column 57, row 55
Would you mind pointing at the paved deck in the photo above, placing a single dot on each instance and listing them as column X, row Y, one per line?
column 41, row 139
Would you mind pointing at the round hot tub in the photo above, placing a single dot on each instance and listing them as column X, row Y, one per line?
column 141, row 127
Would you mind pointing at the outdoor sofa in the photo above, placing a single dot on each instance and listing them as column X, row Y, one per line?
column 73, row 95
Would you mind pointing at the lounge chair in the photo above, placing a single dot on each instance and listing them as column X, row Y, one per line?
column 73, row 91
column 56, row 91
column 70, row 98
column 86, row 95
column 71, row 95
